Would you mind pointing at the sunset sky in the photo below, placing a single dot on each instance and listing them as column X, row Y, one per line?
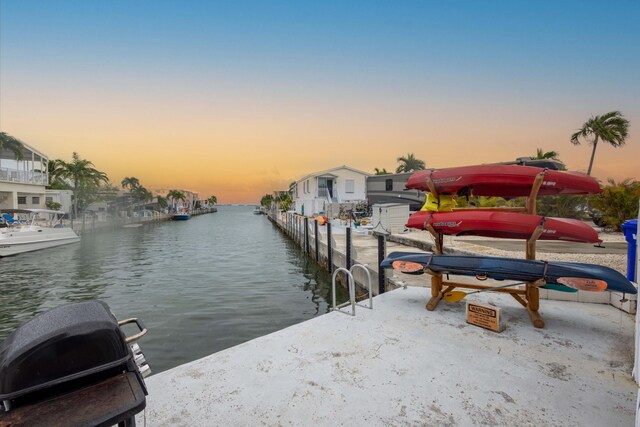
column 237, row 99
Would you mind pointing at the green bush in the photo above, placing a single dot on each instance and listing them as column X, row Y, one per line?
column 617, row 203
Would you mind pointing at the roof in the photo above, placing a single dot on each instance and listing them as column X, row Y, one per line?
column 327, row 172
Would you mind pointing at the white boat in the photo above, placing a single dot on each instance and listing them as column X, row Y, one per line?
column 257, row 210
column 43, row 230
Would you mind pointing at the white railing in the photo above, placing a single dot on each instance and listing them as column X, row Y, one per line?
column 25, row 177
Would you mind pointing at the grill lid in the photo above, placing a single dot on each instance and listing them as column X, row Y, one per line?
column 60, row 345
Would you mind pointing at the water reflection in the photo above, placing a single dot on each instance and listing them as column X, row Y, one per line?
column 200, row 286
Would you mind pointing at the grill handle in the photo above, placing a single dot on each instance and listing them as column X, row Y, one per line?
column 138, row 322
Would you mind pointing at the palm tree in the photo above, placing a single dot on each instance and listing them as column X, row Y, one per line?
column 162, row 201
column 611, row 128
column 176, row 195
column 410, row 164
column 130, row 183
column 55, row 169
column 141, row 194
column 382, row 171
column 541, row 154
column 212, row 200
column 80, row 171
column 13, row 144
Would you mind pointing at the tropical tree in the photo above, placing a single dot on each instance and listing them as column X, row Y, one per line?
column 283, row 200
column 175, row 195
column 212, row 200
column 541, row 155
column 266, row 200
column 55, row 169
column 617, row 202
column 83, row 176
column 13, row 144
column 611, row 128
column 130, row 183
column 141, row 194
column 162, row 201
column 410, row 164
column 382, row 171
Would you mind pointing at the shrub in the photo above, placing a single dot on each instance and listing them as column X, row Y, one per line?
column 617, row 203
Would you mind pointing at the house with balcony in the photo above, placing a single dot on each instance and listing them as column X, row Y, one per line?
column 315, row 193
column 23, row 181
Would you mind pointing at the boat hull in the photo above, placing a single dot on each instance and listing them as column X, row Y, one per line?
column 509, row 225
column 13, row 242
column 181, row 217
column 503, row 181
column 513, row 269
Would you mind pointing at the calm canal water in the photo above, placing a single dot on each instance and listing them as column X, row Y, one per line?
column 200, row 286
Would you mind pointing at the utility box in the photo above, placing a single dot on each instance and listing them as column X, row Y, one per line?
column 389, row 217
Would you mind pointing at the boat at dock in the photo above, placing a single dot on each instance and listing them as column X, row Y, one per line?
column 257, row 210
column 181, row 214
column 43, row 230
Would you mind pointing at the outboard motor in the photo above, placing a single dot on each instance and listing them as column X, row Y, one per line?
column 72, row 365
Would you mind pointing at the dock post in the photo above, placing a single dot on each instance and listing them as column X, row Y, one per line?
column 329, row 249
column 348, row 248
column 315, row 232
column 306, row 235
column 381, row 251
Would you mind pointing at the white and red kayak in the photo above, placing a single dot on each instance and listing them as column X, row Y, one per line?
column 503, row 181
column 508, row 225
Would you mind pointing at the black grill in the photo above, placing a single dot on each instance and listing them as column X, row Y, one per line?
column 71, row 365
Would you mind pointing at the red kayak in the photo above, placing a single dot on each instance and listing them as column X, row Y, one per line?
column 509, row 225
column 503, row 180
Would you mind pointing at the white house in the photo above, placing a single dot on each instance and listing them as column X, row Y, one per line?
column 314, row 193
column 22, row 182
column 64, row 197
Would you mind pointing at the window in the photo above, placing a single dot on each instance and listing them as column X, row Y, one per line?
column 349, row 185
column 35, row 200
column 49, row 199
column 388, row 185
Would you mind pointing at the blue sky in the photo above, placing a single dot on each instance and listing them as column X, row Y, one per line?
column 393, row 76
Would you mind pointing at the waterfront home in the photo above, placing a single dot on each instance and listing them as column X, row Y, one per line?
column 390, row 188
column 64, row 197
column 191, row 198
column 23, row 182
column 314, row 193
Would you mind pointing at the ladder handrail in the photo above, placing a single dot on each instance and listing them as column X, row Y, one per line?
column 352, row 290
column 366, row 270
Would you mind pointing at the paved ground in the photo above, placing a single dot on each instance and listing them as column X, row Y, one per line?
column 400, row 365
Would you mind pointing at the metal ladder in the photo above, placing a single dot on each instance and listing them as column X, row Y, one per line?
column 352, row 290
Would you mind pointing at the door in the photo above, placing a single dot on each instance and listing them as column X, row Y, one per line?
column 330, row 188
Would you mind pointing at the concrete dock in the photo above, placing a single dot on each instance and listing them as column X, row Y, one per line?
column 399, row 364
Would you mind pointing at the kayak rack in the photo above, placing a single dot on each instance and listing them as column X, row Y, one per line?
column 352, row 290
column 529, row 297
